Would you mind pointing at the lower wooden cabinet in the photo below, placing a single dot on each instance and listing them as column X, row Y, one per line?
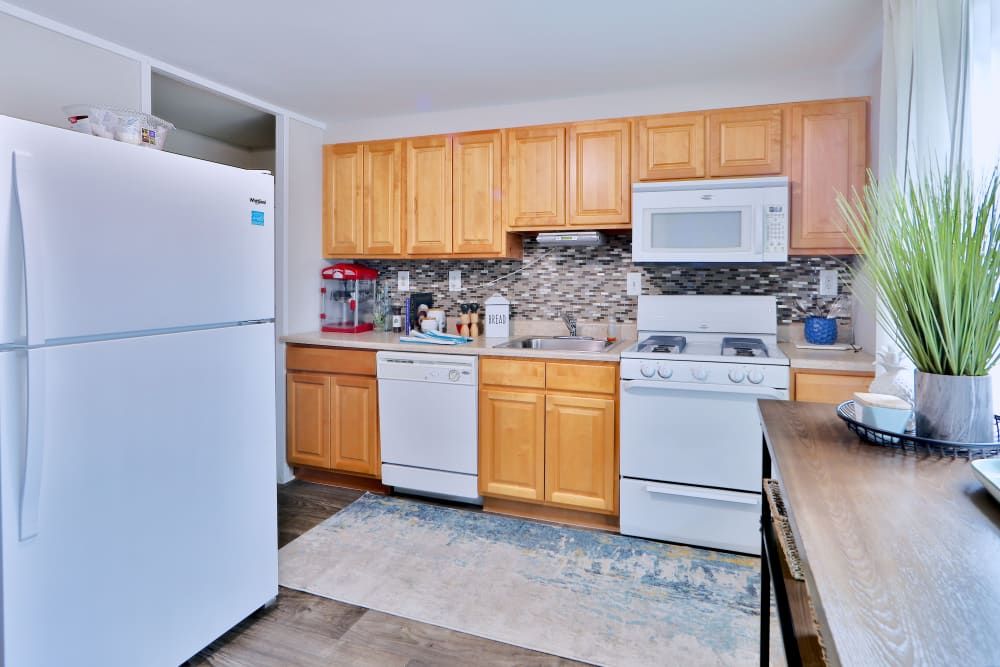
column 512, row 444
column 834, row 387
column 308, row 425
column 332, row 419
column 580, row 452
column 545, row 440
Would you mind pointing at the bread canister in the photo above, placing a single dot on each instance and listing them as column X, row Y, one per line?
column 497, row 317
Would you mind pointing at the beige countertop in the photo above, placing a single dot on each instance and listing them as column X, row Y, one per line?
column 829, row 360
column 480, row 346
column 832, row 360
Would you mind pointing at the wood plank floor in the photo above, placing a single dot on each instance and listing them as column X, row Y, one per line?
column 304, row 630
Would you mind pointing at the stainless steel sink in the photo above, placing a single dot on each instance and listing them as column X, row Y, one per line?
column 558, row 343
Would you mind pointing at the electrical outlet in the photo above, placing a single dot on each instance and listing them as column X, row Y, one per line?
column 454, row 281
column 633, row 284
column 828, row 282
column 403, row 281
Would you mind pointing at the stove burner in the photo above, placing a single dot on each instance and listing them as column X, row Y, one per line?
column 744, row 347
column 663, row 344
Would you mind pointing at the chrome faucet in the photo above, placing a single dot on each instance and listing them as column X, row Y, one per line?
column 570, row 322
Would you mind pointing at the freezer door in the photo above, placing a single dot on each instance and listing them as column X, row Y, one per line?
column 120, row 238
column 149, row 496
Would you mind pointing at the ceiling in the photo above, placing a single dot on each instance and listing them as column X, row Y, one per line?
column 339, row 60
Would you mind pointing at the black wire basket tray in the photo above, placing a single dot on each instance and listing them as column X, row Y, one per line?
column 911, row 442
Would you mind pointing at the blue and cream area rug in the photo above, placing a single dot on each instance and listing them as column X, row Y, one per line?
column 586, row 595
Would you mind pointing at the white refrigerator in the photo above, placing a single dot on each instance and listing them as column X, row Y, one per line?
column 137, row 400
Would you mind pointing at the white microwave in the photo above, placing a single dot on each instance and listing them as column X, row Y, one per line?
column 734, row 220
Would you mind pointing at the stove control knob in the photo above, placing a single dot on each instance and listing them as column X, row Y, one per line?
column 756, row 377
column 664, row 372
column 699, row 374
column 736, row 375
column 647, row 371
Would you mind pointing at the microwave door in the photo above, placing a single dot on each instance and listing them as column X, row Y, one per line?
column 716, row 233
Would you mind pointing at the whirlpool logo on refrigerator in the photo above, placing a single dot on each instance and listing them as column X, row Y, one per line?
column 257, row 217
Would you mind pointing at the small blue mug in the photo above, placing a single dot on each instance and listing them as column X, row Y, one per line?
column 821, row 330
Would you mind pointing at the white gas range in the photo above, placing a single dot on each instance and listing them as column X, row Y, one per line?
column 690, row 430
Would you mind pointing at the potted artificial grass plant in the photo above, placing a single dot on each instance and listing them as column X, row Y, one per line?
column 932, row 251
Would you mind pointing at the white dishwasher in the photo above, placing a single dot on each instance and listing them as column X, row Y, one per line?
column 429, row 423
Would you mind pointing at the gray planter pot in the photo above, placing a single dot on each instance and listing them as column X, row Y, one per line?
column 956, row 408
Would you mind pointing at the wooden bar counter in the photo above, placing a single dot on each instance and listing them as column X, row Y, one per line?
column 900, row 551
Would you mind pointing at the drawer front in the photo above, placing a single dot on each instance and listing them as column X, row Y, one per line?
column 828, row 387
column 591, row 378
column 694, row 515
column 505, row 372
column 330, row 360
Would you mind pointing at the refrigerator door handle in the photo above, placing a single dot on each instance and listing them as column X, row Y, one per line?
column 34, row 446
column 31, row 236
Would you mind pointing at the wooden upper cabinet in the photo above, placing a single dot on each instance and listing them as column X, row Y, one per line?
column 428, row 195
column 343, row 198
column 383, row 202
column 670, row 147
column 599, row 163
column 829, row 155
column 477, row 219
column 536, row 177
column 744, row 142
column 580, row 461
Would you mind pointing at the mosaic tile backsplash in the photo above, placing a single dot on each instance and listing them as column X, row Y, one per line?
column 590, row 282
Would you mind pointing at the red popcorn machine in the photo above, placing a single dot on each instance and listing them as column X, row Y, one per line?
column 348, row 296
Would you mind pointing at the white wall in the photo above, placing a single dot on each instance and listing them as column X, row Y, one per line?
column 680, row 97
column 199, row 146
column 41, row 71
column 305, row 227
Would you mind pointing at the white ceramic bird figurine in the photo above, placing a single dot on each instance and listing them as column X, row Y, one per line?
column 897, row 376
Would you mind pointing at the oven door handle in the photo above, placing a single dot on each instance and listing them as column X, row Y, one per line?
column 763, row 392
column 706, row 494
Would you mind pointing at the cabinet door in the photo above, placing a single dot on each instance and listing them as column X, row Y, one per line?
column 536, row 177
column 580, row 452
column 600, row 191
column 744, row 142
column 383, row 203
column 828, row 387
column 478, row 225
column 343, row 200
column 308, row 413
column 829, row 155
column 512, row 444
column 428, row 195
column 354, row 424
column 671, row 146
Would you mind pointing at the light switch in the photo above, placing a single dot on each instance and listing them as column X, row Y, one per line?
column 454, row 281
column 403, row 281
column 828, row 282
column 633, row 284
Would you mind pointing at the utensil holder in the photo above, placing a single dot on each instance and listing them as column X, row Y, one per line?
column 821, row 330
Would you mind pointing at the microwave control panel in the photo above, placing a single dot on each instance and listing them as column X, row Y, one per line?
column 775, row 230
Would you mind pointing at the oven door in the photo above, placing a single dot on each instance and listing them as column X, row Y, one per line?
column 687, row 433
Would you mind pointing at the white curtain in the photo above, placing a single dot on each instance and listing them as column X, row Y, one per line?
column 925, row 118
column 984, row 43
